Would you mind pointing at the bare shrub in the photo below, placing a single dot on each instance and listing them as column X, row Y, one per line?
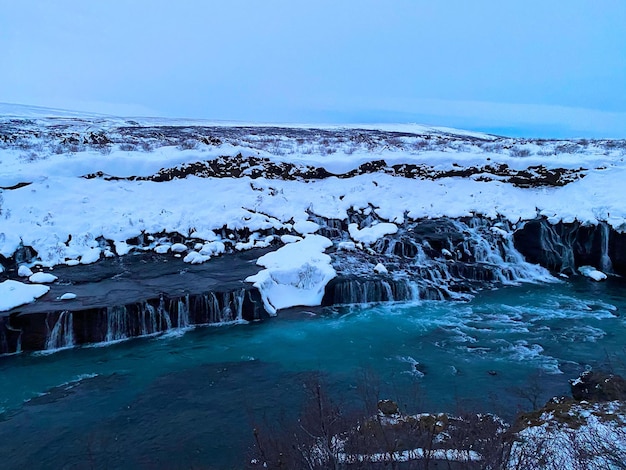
column 519, row 152
column 128, row 147
column 187, row 144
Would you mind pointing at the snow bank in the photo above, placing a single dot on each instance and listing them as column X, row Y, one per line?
column 14, row 293
column 295, row 274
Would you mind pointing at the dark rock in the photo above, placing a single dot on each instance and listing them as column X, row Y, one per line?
column 388, row 407
column 598, row 386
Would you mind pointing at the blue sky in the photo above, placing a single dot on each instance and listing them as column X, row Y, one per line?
column 536, row 68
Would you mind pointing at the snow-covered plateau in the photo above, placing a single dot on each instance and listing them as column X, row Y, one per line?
column 75, row 190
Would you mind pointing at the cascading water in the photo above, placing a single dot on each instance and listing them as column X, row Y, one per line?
column 62, row 333
column 605, row 260
column 432, row 260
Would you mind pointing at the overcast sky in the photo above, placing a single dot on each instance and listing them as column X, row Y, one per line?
column 518, row 67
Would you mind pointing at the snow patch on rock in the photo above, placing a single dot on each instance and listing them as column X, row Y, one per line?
column 295, row 274
column 15, row 293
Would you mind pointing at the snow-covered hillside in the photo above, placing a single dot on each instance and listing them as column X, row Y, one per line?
column 75, row 189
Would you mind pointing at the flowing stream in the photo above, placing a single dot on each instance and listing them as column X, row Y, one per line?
column 190, row 398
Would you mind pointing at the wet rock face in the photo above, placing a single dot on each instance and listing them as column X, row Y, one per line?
column 598, row 386
column 565, row 247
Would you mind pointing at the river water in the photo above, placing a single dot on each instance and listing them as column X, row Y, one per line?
column 190, row 399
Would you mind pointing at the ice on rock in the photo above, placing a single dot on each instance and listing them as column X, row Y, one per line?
column 161, row 249
column 369, row 235
column 592, row 273
column 24, row 271
column 42, row 278
column 295, row 274
column 15, row 293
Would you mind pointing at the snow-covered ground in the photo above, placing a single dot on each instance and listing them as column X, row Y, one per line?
column 48, row 204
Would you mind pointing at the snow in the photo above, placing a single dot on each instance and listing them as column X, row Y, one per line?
column 42, row 278
column 380, row 269
column 67, row 296
column 15, row 293
column 369, row 235
column 178, row 248
column 90, row 256
column 295, row 274
column 65, row 217
column 24, row 271
column 592, row 273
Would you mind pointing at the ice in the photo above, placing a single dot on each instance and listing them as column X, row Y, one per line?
column 592, row 273
column 15, row 293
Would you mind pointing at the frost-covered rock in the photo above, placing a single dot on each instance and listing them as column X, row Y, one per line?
column 15, row 293
column 42, row 278
column 24, row 271
column 592, row 273
column 161, row 249
column 369, row 235
column 295, row 274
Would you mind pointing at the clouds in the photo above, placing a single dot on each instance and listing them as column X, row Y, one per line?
column 323, row 60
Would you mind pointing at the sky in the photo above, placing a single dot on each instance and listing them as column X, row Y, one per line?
column 531, row 68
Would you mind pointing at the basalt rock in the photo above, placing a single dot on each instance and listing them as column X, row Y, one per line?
column 563, row 247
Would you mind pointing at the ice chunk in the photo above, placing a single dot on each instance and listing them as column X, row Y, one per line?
column 15, row 293
column 592, row 273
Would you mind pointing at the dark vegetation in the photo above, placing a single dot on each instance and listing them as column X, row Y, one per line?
column 327, row 435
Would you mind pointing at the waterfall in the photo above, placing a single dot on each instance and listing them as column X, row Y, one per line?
column 182, row 312
column 605, row 260
column 62, row 334
column 117, row 323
